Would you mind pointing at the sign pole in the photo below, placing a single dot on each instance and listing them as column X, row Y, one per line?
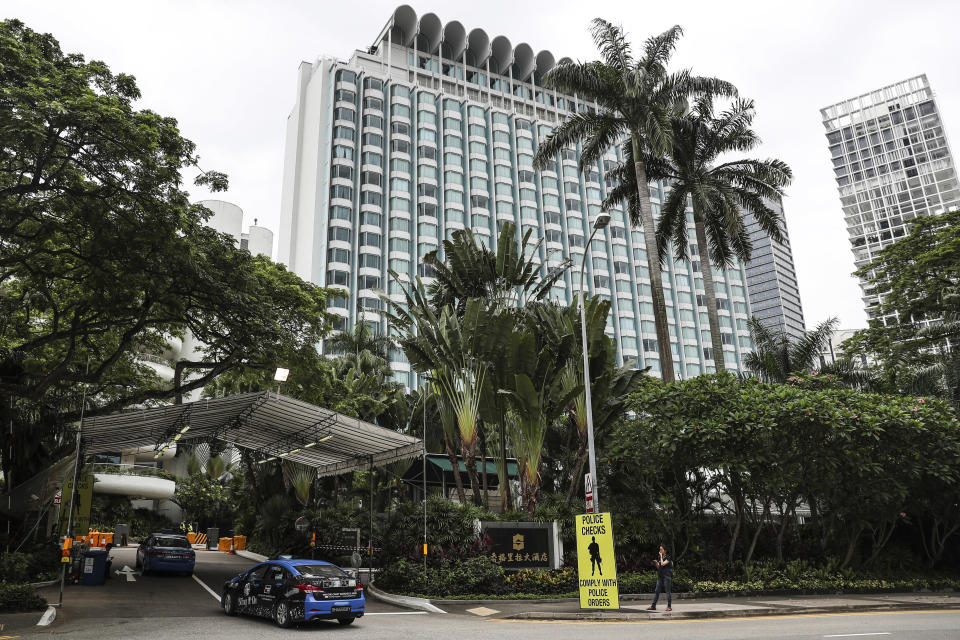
column 73, row 488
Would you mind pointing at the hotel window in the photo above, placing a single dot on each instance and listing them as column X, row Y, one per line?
column 370, row 157
column 400, row 129
column 339, row 234
column 340, row 151
column 338, row 278
column 341, row 213
column 373, row 139
column 338, row 255
column 341, row 171
column 343, row 95
column 369, row 261
column 344, row 132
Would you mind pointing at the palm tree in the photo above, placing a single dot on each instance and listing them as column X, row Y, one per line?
column 776, row 356
column 635, row 100
column 361, row 338
column 509, row 277
column 720, row 193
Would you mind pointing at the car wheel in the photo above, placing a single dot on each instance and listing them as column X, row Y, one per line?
column 229, row 604
column 345, row 621
column 145, row 567
column 281, row 615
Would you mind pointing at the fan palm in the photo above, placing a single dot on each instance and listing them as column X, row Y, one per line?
column 635, row 99
column 720, row 193
column 471, row 270
column 776, row 356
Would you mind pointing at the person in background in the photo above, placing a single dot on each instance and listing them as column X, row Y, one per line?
column 664, row 565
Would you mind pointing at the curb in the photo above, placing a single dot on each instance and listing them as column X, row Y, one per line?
column 409, row 602
column 45, row 583
column 737, row 613
column 48, row 617
column 250, row 555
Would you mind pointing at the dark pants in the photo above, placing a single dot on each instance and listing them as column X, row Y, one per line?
column 663, row 584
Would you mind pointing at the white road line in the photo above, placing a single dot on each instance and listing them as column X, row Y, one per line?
column 852, row 635
column 215, row 595
column 396, row 613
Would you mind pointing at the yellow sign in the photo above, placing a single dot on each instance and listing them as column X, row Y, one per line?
column 84, row 500
column 596, row 565
column 518, row 542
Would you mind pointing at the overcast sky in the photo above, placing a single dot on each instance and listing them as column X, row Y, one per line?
column 226, row 71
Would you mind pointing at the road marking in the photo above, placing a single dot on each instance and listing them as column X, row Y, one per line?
column 851, row 635
column 200, row 582
column 8, row 637
column 127, row 571
column 482, row 611
column 731, row 619
column 396, row 613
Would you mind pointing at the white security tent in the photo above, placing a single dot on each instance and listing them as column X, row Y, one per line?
column 274, row 426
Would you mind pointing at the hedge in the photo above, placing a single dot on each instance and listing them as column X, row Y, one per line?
column 480, row 578
column 19, row 597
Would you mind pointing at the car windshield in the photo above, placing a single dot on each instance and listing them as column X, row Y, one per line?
column 173, row 542
column 319, row 571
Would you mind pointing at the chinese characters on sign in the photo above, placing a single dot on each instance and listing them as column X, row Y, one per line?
column 519, row 545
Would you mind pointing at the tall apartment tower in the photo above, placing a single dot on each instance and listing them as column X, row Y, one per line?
column 892, row 163
column 433, row 129
column 772, row 279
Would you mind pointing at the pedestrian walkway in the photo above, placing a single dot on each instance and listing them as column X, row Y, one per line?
column 635, row 607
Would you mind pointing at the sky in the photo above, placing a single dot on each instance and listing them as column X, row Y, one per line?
column 226, row 70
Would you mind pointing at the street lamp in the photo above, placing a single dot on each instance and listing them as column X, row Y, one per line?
column 280, row 377
column 602, row 220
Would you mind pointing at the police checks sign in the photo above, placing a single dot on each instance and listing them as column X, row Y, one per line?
column 596, row 566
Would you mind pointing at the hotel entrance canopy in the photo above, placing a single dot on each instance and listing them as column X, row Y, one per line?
column 273, row 426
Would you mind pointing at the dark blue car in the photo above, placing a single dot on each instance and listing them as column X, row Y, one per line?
column 166, row 552
column 291, row 591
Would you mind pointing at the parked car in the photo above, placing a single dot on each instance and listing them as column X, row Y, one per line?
column 291, row 591
column 166, row 552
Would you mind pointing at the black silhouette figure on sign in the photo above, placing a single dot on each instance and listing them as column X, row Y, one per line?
column 595, row 559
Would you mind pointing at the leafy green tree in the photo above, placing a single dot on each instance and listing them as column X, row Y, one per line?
column 203, row 499
column 720, row 192
column 102, row 256
column 636, row 99
column 361, row 338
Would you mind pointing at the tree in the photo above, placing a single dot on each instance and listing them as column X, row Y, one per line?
column 636, row 99
column 720, row 193
column 776, row 355
column 361, row 338
column 102, row 256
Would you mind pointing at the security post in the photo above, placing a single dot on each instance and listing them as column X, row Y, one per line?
column 596, row 563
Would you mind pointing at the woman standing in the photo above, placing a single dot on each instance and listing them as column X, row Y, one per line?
column 664, row 565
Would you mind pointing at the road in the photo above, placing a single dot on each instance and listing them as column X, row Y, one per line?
column 163, row 607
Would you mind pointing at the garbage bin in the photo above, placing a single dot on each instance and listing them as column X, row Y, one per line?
column 213, row 538
column 93, row 567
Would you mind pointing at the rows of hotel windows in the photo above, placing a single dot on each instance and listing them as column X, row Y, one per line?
column 480, row 180
column 897, row 166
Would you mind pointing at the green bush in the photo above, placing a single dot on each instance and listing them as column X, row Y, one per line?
column 40, row 563
column 543, row 581
column 19, row 597
column 471, row 576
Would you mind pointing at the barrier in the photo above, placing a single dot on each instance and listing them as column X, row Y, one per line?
column 226, row 544
column 198, row 538
column 192, row 537
column 239, row 543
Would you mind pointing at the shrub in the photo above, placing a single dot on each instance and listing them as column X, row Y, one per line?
column 40, row 563
column 477, row 575
column 19, row 597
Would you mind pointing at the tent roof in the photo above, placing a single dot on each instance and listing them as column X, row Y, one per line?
column 273, row 425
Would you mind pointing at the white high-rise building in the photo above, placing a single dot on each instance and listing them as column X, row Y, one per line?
column 433, row 129
column 892, row 163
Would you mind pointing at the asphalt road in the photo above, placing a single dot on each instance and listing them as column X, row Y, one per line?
column 164, row 607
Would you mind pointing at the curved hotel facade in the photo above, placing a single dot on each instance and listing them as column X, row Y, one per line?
column 434, row 129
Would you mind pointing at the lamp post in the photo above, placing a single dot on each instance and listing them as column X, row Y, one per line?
column 280, row 377
column 602, row 220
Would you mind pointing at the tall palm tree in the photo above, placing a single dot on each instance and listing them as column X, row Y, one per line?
column 635, row 100
column 775, row 356
column 720, row 193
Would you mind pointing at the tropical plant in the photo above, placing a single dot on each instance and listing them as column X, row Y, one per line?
column 720, row 191
column 508, row 278
column 636, row 99
column 300, row 477
column 776, row 355
column 362, row 337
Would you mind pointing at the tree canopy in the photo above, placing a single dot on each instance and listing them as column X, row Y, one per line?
column 103, row 258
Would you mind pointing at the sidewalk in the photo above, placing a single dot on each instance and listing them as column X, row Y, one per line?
column 634, row 607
